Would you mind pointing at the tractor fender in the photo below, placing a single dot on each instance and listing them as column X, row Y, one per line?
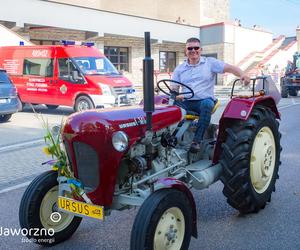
column 240, row 109
column 168, row 182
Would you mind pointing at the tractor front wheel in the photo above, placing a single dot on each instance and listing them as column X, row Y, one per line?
column 250, row 160
column 39, row 212
column 164, row 221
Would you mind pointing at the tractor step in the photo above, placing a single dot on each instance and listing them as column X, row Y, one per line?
column 199, row 165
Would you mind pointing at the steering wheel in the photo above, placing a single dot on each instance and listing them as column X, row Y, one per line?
column 171, row 92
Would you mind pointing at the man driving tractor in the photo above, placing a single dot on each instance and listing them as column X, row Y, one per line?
column 198, row 73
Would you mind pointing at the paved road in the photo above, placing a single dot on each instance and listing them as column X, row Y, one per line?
column 22, row 142
column 219, row 226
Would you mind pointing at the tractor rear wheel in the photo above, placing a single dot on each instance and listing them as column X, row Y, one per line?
column 164, row 221
column 250, row 160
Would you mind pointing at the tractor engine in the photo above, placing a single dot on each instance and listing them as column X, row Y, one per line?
column 169, row 158
column 163, row 154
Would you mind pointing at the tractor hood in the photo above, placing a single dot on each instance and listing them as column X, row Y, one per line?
column 100, row 124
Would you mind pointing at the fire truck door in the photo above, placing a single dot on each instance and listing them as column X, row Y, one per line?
column 38, row 78
column 69, row 81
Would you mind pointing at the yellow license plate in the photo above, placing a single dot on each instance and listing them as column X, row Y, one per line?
column 80, row 208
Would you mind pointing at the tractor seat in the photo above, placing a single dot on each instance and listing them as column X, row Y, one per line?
column 191, row 115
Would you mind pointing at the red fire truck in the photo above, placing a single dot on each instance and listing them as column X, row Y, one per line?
column 72, row 75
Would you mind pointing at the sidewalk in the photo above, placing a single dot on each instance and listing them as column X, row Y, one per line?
column 19, row 166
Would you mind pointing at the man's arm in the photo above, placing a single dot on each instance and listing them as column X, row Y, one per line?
column 228, row 68
column 175, row 77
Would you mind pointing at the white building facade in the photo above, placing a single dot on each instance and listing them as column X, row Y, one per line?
column 117, row 28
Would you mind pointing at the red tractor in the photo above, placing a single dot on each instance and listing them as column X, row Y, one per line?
column 129, row 157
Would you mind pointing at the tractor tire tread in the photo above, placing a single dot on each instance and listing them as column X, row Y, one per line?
column 235, row 161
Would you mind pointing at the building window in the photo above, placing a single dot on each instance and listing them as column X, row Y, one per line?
column 167, row 61
column 118, row 56
column 38, row 67
column 45, row 42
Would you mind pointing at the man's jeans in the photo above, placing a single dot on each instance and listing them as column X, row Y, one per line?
column 204, row 108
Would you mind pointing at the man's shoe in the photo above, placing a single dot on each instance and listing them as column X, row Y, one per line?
column 195, row 147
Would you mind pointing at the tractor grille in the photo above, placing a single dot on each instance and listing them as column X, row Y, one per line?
column 87, row 163
column 67, row 148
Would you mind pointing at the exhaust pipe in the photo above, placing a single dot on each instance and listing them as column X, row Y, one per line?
column 148, row 95
column 148, row 82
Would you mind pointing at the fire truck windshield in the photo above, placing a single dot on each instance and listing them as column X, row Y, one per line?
column 95, row 66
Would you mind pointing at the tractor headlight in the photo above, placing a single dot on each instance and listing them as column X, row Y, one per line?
column 120, row 141
column 105, row 89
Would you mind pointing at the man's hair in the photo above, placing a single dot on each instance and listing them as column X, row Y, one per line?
column 193, row 40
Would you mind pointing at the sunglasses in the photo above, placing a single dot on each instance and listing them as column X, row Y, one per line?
column 193, row 48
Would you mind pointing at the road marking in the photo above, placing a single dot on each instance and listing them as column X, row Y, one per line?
column 5, row 190
column 20, row 145
column 280, row 108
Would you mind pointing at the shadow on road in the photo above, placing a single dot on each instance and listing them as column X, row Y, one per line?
column 41, row 109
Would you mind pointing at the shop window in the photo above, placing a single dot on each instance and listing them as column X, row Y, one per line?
column 167, row 61
column 38, row 67
column 118, row 57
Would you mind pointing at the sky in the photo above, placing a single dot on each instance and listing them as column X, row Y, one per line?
column 281, row 17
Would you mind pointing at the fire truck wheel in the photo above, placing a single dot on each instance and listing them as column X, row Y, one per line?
column 83, row 103
column 250, row 160
column 39, row 214
column 52, row 107
column 292, row 92
column 5, row 118
column 284, row 92
column 164, row 221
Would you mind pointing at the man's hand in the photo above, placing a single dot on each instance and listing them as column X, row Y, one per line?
column 245, row 79
column 180, row 98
